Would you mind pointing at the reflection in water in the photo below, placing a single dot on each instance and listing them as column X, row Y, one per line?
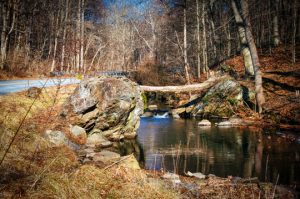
column 181, row 146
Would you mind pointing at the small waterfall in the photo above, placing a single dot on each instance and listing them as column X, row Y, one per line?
column 165, row 115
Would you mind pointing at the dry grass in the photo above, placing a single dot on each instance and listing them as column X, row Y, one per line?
column 33, row 168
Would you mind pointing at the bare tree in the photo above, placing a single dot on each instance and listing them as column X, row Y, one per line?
column 260, row 100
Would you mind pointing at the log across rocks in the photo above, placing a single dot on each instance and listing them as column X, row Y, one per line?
column 110, row 106
column 185, row 88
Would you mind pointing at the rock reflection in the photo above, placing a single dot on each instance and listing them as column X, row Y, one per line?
column 180, row 146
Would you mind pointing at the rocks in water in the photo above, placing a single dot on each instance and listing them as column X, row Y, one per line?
column 106, row 156
column 225, row 123
column 111, row 105
column 57, row 138
column 33, row 92
column 220, row 100
column 176, row 116
column 147, row 114
column 234, row 121
column 176, row 112
column 196, row 175
column 204, row 123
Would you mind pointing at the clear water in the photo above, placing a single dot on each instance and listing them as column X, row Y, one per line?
column 181, row 146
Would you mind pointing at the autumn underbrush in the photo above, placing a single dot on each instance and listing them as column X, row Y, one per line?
column 281, row 84
column 34, row 168
column 153, row 74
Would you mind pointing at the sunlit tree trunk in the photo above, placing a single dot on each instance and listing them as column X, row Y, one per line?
column 186, row 66
column 78, row 37
column 198, row 41
column 295, row 13
column 81, row 64
column 260, row 100
column 249, row 69
column 276, row 38
column 56, row 34
column 66, row 11
column 204, row 48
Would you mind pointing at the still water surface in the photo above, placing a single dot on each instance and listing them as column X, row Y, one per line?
column 183, row 146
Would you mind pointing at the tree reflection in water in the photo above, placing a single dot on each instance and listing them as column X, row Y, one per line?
column 181, row 146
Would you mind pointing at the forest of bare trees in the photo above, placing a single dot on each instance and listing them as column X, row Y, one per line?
column 39, row 36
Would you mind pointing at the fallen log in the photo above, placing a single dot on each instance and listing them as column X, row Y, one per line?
column 185, row 88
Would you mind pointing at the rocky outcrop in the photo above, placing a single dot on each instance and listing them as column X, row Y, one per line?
column 221, row 100
column 110, row 106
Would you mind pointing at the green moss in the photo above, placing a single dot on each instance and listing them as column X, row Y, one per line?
column 144, row 98
column 233, row 101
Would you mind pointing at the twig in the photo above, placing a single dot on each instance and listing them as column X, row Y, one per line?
column 126, row 157
column 23, row 120
column 39, row 177
column 275, row 186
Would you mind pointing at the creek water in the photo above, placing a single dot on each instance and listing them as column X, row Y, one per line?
column 181, row 146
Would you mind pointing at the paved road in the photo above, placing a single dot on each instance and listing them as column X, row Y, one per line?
column 11, row 86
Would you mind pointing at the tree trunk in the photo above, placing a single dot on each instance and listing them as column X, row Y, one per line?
column 56, row 34
column 186, row 66
column 204, row 49
column 78, row 37
column 294, row 31
column 82, row 65
column 249, row 69
column 8, row 23
column 3, row 36
column 64, row 34
column 276, row 38
column 186, row 88
column 198, row 41
column 260, row 100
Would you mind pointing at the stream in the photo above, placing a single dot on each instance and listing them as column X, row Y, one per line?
column 182, row 146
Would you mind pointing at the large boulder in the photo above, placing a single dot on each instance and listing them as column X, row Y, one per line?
column 222, row 99
column 110, row 105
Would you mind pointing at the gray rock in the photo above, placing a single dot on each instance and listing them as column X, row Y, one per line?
column 95, row 139
column 170, row 176
column 196, row 175
column 147, row 114
column 106, row 156
column 235, row 121
column 112, row 105
column 221, row 99
column 204, row 123
column 176, row 116
column 174, row 178
column 77, row 131
column 105, row 144
column 57, row 138
column 225, row 123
